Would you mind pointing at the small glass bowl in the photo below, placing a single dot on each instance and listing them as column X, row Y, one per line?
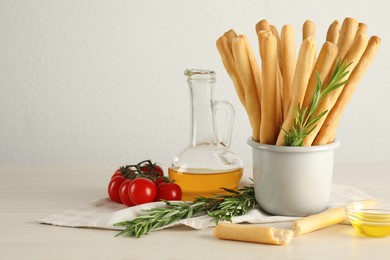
column 370, row 218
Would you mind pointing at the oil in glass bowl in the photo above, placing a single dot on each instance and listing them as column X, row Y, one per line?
column 370, row 218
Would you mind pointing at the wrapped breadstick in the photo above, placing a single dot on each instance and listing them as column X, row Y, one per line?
column 255, row 234
column 328, row 130
column 301, row 78
column 288, row 61
column 333, row 32
column 352, row 58
column 269, row 111
column 243, row 66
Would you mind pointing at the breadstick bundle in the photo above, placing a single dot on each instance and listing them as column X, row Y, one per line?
column 297, row 97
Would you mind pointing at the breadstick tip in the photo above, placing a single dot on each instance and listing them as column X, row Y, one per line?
column 262, row 25
column 375, row 39
column 350, row 20
column 287, row 26
column 230, row 34
column 309, row 29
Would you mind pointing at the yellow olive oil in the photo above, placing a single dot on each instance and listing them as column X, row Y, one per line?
column 372, row 230
column 371, row 224
column 198, row 182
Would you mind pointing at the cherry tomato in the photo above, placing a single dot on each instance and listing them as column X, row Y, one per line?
column 117, row 173
column 168, row 191
column 154, row 169
column 124, row 193
column 113, row 188
column 159, row 180
column 158, row 169
column 142, row 190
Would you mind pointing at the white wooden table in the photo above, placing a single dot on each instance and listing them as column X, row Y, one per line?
column 28, row 193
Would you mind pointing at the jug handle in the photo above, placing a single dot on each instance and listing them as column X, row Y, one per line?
column 228, row 131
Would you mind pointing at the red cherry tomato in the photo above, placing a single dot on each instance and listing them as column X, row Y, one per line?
column 113, row 188
column 124, row 193
column 117, row 173
column 159, row 180
column 142, row 190
column 158, row 169
column 168, row 191
column 154, row 170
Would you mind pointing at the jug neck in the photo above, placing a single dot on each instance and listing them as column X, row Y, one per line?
column 201, row 83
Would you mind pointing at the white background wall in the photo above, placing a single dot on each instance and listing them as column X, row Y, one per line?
column 102, row 81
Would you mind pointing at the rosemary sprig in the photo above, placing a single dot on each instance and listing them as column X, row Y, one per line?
column 234, row 205
column 220, row 207
column 305, row 120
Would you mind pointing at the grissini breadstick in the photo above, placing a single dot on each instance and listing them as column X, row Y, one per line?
column 255, row 234
column 263, row 25
column 362, row 28
column 226, row 54
column 279, row 98
column 256, row 75
column 230, row 34
column 333, row 32
column 322, row 66
column 301, row 78
column 308, row 30
column 346, row 39
column 275, row 33
column 279, row 79
column 319, row 221
column 244, row 69
column 268, row 47
column 347, row 36
column 352, row 57
column 328, row 130
column 288, row 62
column 254, row 66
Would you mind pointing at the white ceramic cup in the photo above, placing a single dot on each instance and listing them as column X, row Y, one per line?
column 292, row 181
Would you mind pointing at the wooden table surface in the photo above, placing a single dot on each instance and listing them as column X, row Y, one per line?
column 30, row 192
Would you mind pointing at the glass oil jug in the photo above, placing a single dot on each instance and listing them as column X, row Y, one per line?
column 207, row 164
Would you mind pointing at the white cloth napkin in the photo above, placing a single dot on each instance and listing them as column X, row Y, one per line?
column 103, row 213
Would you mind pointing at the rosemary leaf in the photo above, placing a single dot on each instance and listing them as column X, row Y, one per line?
column 306, row 118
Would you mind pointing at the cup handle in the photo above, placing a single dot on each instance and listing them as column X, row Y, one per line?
column 224, row 105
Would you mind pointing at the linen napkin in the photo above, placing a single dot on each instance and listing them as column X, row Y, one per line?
column 103, row 213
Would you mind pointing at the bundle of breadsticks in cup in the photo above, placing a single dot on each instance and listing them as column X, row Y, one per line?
column 297, row 99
